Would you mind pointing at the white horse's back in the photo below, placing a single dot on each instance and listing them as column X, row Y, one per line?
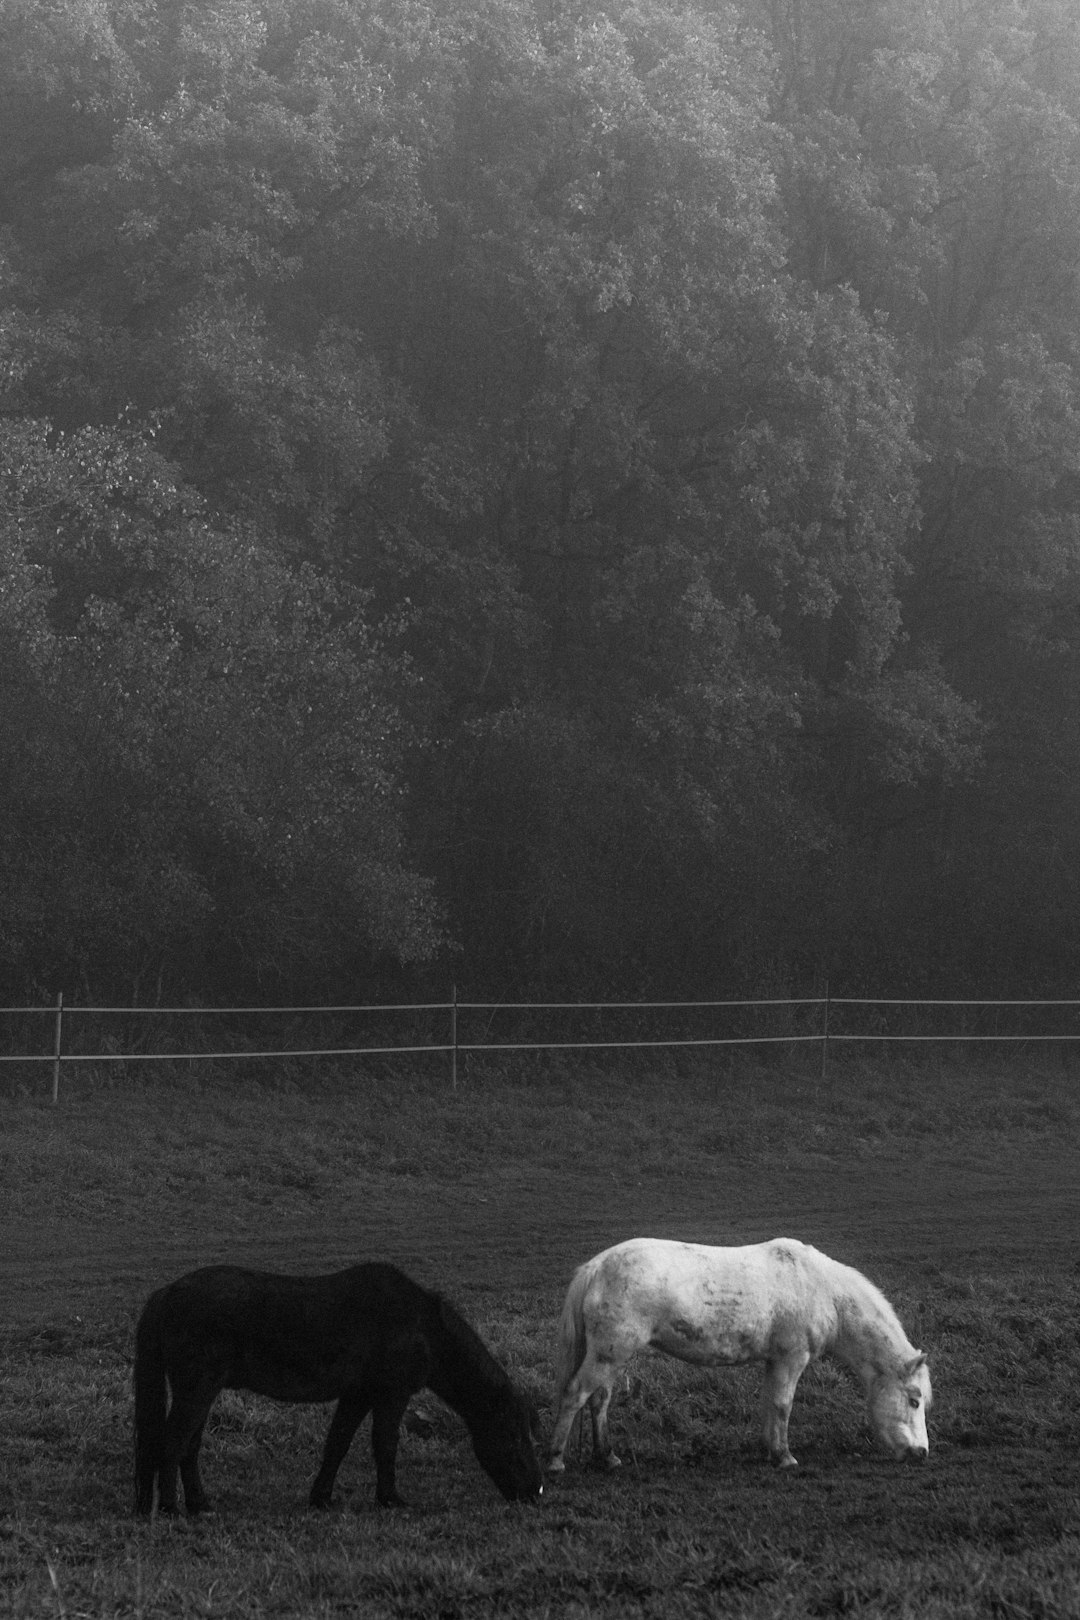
column 781, row 1302
column 711, row 1304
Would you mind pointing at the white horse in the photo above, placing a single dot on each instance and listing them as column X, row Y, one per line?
column 781, row 1302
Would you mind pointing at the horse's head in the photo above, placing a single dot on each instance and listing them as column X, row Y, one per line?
column 899, row 1400
column 505, row 1447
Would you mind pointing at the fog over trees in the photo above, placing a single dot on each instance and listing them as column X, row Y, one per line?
column 576, row 497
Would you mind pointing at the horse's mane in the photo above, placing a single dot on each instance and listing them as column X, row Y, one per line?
column 866, row 1301
column 464, row 1345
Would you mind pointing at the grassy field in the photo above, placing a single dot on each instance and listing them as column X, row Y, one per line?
column 957, row 1188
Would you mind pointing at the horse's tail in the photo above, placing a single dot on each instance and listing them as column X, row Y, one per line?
column 570, row 1351
column 151, row 1401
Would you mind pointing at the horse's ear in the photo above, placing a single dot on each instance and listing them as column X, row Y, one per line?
column 918, row 1360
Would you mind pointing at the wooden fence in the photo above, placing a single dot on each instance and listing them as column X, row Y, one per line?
column 818, row 1019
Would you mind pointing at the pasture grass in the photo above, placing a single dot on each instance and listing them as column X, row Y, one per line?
column 695, row 1523
column 288, row 1136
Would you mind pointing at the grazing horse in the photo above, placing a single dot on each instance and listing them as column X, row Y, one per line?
column 368, row 1337
column 782, row 1303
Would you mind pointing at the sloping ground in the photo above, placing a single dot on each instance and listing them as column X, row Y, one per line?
column 528, row 1228
column 964, row 1204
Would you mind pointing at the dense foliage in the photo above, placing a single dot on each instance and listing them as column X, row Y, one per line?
column 578, row 497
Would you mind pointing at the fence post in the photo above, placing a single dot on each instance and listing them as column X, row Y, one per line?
column 453, row 1039
column 825, row 1037
column 57, row 1040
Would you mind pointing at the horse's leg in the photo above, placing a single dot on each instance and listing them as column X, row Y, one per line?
column 386, row 1417
column 179, row 1451
column 599, row 1401
column 195, row 1498
column 782, row 1373
column 351, row 1411
column 593, row 1378
column 170, row 1453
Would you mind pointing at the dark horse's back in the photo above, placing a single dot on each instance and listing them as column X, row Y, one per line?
column 292, row 1338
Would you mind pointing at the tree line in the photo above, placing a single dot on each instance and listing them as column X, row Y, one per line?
column 578, row 497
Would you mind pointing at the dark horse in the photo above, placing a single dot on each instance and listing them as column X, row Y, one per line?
column 368, row 1337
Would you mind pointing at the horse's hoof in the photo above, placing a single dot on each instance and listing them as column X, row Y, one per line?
column 391, row 1500
column 609, row 1462
column 555, row 1465
column 787, row 1461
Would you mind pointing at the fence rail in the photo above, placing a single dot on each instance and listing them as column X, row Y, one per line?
column 822, row 1009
